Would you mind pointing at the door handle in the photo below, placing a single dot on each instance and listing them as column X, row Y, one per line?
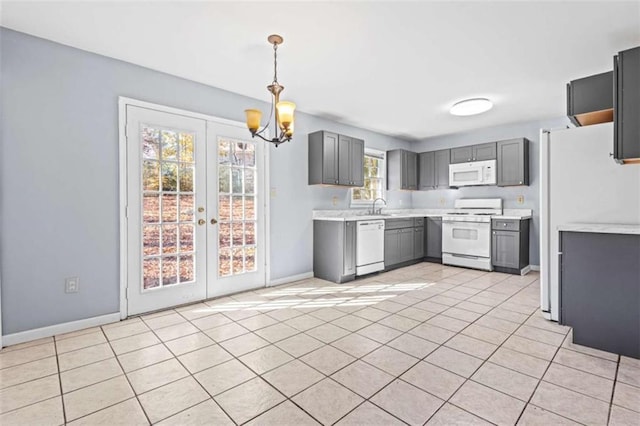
column 201, row 222
column 213, row 221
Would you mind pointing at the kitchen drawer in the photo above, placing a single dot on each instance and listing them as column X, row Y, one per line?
column 398, row 223
column 505, row 224
column 418, row 221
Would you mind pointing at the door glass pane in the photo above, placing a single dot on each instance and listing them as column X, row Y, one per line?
column 169, row 176
column 224, row 263
column 152, row 240
column 169, row 239
column 151, row 268
column 186, row 268
column 151, row 208
column 169, row 208
column 169, row 145
column 150, row 175
column 186, row 208
column 169, row 270
column 237, row 185
column 236, row 208
column 168, row 205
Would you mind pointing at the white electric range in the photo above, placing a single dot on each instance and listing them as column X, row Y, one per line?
column 466, row 233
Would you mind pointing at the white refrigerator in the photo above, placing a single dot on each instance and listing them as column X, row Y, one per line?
column 579, row 183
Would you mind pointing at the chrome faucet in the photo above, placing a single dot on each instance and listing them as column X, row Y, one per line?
column 373, row 208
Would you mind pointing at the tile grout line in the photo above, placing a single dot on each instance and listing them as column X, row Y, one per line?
column 613, row 390
column 64, row 410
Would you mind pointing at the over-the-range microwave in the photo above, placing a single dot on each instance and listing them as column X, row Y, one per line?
column 473, row 173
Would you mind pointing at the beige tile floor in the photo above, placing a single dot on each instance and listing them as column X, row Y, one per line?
column 423, row 344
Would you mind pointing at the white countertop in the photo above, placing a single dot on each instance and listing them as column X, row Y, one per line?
column 601, row 228
column 351, row 215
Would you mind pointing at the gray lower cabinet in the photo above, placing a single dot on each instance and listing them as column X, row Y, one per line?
column 418, row 242
column 513, row 162
column 334, row 250
column 626, row 106
column 433, row 169
column 402, row 169
column 391, row 248
column 433, row 239
column 600, row 290
column 509, row 245
column 335, row 159
column 400, row 241
column 398, row 246
column 481, row 152
column 349, row 250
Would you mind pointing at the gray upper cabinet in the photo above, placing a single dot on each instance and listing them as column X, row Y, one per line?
column 590, row 99
column 357, row 162
column 433, row 169
column 443, row 159
column 426, row 170
column 626, row 106
column 485, row 151
column 335, row 159
column 344, row 154
column 402, row 169
column 461, row 155
column 513, row 162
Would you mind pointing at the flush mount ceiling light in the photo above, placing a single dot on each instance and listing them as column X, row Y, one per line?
column 282, row 110
column 471, row 106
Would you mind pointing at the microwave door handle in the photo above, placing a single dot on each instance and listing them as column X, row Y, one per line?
column 481, row 174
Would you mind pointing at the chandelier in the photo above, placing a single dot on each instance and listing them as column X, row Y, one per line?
column 282, row 110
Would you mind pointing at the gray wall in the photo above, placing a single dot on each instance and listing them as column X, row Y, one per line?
column 443, row 198
column 59, row 176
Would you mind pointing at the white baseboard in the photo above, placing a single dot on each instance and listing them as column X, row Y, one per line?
column 290, row 279
column 52, row 330
column 535, row 267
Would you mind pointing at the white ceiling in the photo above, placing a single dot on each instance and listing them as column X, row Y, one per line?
column 394, row 67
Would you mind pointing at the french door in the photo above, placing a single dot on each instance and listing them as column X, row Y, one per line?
column 195, row 220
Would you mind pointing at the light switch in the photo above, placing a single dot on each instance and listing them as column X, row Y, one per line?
column 273, row 192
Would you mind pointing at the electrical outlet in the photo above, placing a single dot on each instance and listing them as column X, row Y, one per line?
column 520, row 199
column 71, row 285
column 273, row 192
column 334, row 200
column 442, row 201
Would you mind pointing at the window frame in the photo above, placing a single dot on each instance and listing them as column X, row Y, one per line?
column 383, row 156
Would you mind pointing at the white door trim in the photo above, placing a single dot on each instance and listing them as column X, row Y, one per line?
column 123, row 102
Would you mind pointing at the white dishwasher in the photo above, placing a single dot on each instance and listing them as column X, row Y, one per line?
column 369, row 246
